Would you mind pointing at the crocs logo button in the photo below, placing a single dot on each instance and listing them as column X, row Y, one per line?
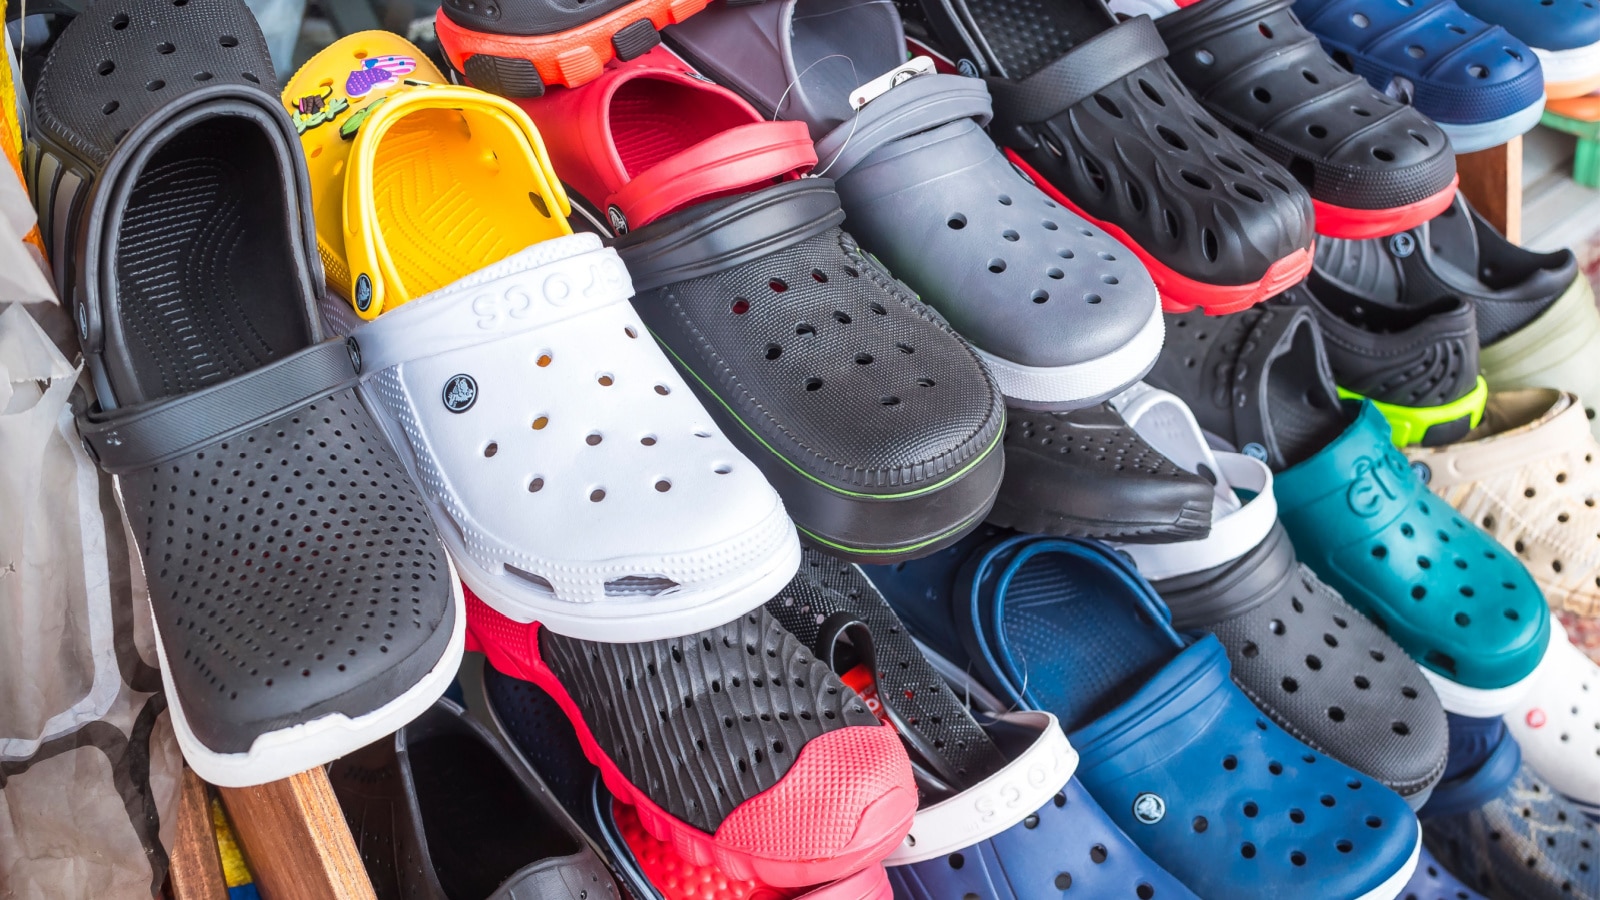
column 363, row 292
column 1149, row 808
column 460, row 392
column 1535, row 718
column 1423, row 473
column 1255, row 451
column 1402, row 245
column 355, row 353
column 968, row 68
column 619, row 222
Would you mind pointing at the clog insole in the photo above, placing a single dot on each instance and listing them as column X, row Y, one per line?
column 653, row 119
column 480, row 823
column 206, row 286
column 1024, row 36
column 1076, row 648
column 442, row 201
column 1298, row 414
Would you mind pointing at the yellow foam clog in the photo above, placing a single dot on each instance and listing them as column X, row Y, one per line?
column 415, row 183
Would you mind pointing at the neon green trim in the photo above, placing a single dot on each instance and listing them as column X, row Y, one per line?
column 860, row 551
column 916, row 493
column 1410, row 423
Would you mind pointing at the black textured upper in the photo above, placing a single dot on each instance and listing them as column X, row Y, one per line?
column 528, row 17
column 1457, row 254
column 120, row 60
column 1093, row 107
column 1256, row 68
column 1258, row 380
column 819, row 351
column 832, row 608
column 1416, row 356
column 1087, row 473
column 1318, row 668
column 705, row 722
column 293, row 573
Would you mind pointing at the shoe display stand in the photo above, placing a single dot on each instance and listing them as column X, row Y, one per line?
column 291, row 831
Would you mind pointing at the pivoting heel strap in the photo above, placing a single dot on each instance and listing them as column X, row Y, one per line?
column 1104, row 59
column 745, row 157
column 924, row 102
column 140, row 437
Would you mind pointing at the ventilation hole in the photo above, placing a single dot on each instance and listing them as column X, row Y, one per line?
column 1230, row 763
column 819, row 276
column 1298, row 858
column 663, row 390
column 1063, row 881
column 544, row 360
column 1336, row 714
column 1010, row 235
column 1362, row 683
column 1054, row 274
column 863, row 359
column 1290, row 685
column 957, row 221
column 804, row 329
column 889, row 401
column 606, row 380
column 1041, row 296
column 1135, row 196
column 1150, row 92
column 228, row 40
column 1172, row 137
column 842, row 317
column 491, row 449
column 1249, row 193
column 1097, row 854
column 1107, row 105
column 925, row 381
column 1171, row 220
column 540, row 423
column 648, row 440
column 1247, row 850
column 1198, row 181
column 1208, row 244
column 106, row 67
column 997, row 265
column 663, row 485
column 813, row 384
column 1478, row 71
column 774, row 351
column 1317, row 131
column 957, row 860
column 1297, row 816
column 1382, row 155
column 1262, row 95
column 1400, row 728
column 119, row 21
column 110, row 107
column 1092, row 299
column 596, row 495
column 593, row 439
column 740, row 306
column 778, row 285
column 1200, row 824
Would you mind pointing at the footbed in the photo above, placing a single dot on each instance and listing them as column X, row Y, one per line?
column 203, row 267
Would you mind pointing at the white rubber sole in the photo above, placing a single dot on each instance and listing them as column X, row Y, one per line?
column 1483, row 135
column 636, row 620
column 279, row 754
column 1394, row 884
column 1575, row 64
column 1061, row 388
column 1488, row 703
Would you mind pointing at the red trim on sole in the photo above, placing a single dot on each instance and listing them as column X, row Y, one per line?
column 758, row 840
column 1180, row 293
column 1361, row 224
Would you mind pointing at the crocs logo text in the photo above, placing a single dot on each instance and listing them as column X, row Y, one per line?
column 1021, row 790
column 1535, row 718
column 1402, row 245
column 1374, row 482
column 1149, row 808
column 513, row 304
column 460, row 392
column 363, row 292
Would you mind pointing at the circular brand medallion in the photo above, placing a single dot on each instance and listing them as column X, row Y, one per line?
column 355, row 353
column 460, row 392
column 1149, row 808
column 1402, row 245
column 363, row 292
column 1255, row 451
column 619, row 222
column 1423, row 473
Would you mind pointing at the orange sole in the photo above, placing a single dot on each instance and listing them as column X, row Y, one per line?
column 568, row 58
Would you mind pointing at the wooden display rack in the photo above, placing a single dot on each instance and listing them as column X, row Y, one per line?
column 291, row 831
